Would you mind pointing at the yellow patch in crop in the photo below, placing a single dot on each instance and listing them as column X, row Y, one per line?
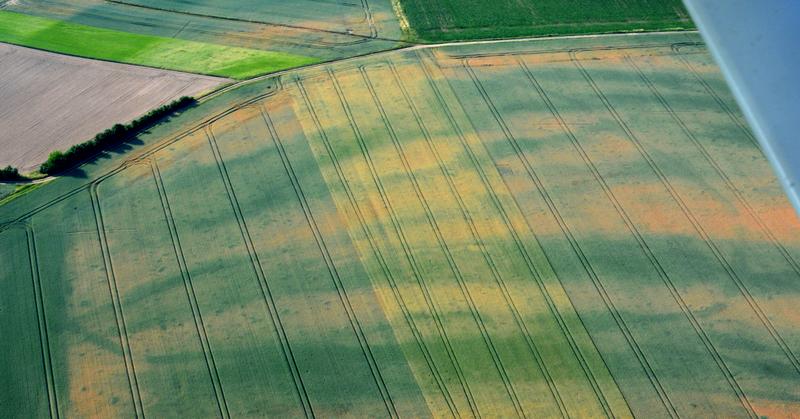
column 776, row 409
column 91, row 371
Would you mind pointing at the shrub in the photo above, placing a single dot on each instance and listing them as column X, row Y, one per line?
column 10, row 173
column 55, row 160
column 60, row 161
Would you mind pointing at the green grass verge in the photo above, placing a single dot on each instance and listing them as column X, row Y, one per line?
column 152, row 51
column 11, row 192
column 6, row 189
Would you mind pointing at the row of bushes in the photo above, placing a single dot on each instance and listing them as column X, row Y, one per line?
column 10, row 174
column 59, row 161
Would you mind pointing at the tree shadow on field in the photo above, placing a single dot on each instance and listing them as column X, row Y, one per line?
column 78, row 171
column 116, row 141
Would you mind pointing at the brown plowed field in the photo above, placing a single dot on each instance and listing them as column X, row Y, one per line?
column 51, row 101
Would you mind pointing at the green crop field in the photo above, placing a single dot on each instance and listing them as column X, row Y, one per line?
column 552, row 228
column 6, row 189
column 152, row 51
column 318, row 30
column 442, row 20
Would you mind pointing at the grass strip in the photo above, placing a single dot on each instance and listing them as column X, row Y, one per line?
column 152, row 51
column 18, row 191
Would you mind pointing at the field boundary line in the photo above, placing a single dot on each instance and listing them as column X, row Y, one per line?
column 385, row 268
column 41, row 320
column 660, row 270
column 463, row 56
column 399, row 149
column 456, row 272
column 116, row 301
column 260, row 276
column 199, row 324
column 333, row 272
column 416, row 47
column 520, row 53
column 554, row 38
column 521, row 248
column 530, row 171
column 692, row 218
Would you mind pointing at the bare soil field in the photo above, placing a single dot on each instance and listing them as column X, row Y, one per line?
column 51, row 101
column 554, row 228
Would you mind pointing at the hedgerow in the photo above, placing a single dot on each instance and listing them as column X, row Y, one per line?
column 59, row 161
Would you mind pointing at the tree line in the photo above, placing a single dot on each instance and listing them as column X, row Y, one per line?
column 60, row 161
column 10, row 174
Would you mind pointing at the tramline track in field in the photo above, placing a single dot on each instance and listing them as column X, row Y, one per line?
column 624, row 328
column 535, row 272
column 267, row 294
column 191, row 295
column 446, row 241
column 464, row 290
column 662, row 273
column 496, row 275
column 332, row 270
column 391, row 278
column 119, row 315
column 41, row 316
column 692, row 218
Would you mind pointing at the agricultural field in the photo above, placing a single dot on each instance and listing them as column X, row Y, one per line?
column 6, row 189
column 145, row 50
column 52, row 101
column 328, row 15
column 550, row 228
column 446, row 20
column 275, row 34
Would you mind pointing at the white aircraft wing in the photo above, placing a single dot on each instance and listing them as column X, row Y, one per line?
column 757, row 45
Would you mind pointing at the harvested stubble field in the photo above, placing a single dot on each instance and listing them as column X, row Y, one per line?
column 580, row 227
column 289, row 33
column 52, row 101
